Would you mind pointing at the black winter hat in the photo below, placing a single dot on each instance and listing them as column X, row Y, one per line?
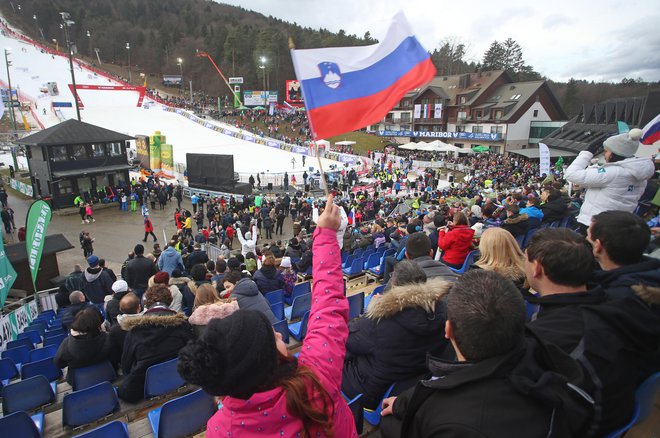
column 236, row 356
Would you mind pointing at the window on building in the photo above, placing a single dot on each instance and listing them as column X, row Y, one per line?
column 98, row 151
column 459, row 145
column 478, row 114
column 460, row 128
column 119, row 178
column 498, row 114
column 79, row 152
column 405, row 117
column 84, row 184
column 425, row 101
column 462, row 99
column 405, row 127
column 496, row 129
column 536, row 113
column 114, row 148
column 406, row 103
column 462, row 115
column 59, row 153
column 101, row 181
column 65, row 187
column 477, row 129
column 437, row 101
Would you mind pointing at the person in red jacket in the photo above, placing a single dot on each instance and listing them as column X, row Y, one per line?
column 148, row 229
column 455, row 241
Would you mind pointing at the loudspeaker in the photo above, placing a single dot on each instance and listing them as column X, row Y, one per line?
column 270, row 187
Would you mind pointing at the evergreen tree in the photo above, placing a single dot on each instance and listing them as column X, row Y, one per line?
column 494, row 57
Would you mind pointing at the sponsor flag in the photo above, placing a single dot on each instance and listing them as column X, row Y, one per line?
column 544, row 159
column 622, row 127
column 7, row 275
column 559, row 165
column 651, row 132
column 348, row 88
column 38, row 218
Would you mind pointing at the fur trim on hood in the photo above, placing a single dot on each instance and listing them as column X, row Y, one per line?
column 203, row 314
column 169, row 319
column 650, row 294
column 422, row 295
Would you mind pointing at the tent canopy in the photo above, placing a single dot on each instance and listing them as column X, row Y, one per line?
column 534, row 153
column 344, row 143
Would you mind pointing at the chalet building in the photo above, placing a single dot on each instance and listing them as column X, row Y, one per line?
column 75, row 158
column 475, row 109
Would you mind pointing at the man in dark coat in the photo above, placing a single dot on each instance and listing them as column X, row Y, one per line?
column 196, row 257
column 95, row 282
column 153, row 337
column 77, row 300
column 616, row 340
column 554, row 208
column 119, row 289
column 139, row 271
column 503, row 378
column 515, row 223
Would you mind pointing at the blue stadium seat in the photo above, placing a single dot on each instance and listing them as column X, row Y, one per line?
column 372, row 261
column 469, row 260
column 356, row 408
column 18, row 342
column 162, row 378
column 278, row 310
column 373, row 416
column 113, row 429
column 344, row 256
column 85, row 377
column 55, row 340
column 20, row 424
column 300, row 305
column 355, row 305
column 19, row 355
column 520, row 239
column 348, row 262
column 276, row 296
column 298, row 290
column 8, row 371
column 44, row 367
column 381, row 249
column 37, row 326
column 528, row 237
column 88, row 405
column 644, row 403
column 27, row 395
column 299, row 329
column 55, row 324
column 32, row 335
column 566, row 222
column 55, row 332
column 282, row 327
column 355, row 269
column 42, row 353
column 47, row 313
column 182, row 416
column 357, row 253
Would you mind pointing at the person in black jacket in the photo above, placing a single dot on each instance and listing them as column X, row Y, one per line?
column 139, row 270
column 515, row 223
column 87, row 344
column 77, row 300
column 197, row 256
column 391, row 342
column 120, row 288
column 95, row 282
column 153, row 337
column 505, row 380
column 554, row 207
column 268, row 278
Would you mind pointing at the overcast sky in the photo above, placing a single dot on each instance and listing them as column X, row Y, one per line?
column 595, row 40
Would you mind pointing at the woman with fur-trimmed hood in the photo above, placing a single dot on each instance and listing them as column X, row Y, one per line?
column 153, row 337
column 391, row 342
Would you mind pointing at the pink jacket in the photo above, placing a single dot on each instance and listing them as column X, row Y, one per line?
column 323, row 350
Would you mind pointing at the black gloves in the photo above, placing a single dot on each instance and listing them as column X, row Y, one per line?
column 595, row 148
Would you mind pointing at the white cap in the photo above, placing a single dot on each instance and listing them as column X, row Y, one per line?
column 119, row 286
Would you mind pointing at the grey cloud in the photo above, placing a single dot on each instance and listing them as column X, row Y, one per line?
column 556, row 20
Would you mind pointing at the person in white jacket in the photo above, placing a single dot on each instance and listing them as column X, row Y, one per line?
column 616, row 185
column 342, row 225
column 249, row 242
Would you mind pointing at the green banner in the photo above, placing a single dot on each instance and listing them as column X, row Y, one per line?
column 7, row 275
column 167, row 160
column 38, row 218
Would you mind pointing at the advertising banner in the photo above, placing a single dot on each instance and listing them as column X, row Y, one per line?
column 417, row 111
column 439, row 134
column 38, row 218
column 437, row 111
column 154, row 151
column 293, row 93
column 544, row 159
column 14, row 323
column 254, row 98
column 167, row 160
column 7, row 275
column 142, row 150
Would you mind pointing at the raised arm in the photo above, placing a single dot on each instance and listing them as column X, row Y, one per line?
column 324, row 346
column 581, row 174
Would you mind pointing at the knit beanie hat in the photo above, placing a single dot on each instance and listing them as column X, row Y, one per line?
column 161, row 277
column 624, row 145
column 236, row 356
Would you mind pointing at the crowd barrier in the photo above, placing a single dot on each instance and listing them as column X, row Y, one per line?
column 19, row 314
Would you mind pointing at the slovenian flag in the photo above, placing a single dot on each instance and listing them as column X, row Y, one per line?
column 351, row 216
column 348, row 88
column 651, row 132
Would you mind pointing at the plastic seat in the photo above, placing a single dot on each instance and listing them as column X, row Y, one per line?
column 528, row 237
column 377, row 271
column 19, row 355
column 27, row 394
column 8, row 371
column 32, row 335
column 282, row 328
column 20, row 424
column 278, row 310
column 298, row 290
column 368, row 252
column 50, row 313
column 355, row 269
column 357, row 253
column 42, row 353
column 55, row 340
column 344, row 256
column 55, row 332
column 373, row 416
column 372, row 261
column 182, row 416
column 348, row 262
column 20, row 342
column 469, row 260
column 44, row 367
column 276, row 296
column 90, row 404
column 300, row 305
column 299, row 329
column 381, row 249
column 113, row 429
column 355, row 305
column 520, row 239
column 56, row 323
column 162, row 378
column 39, row 327
column 644, row 402
column 85, row 377
column 356, row 408
column 566, row 222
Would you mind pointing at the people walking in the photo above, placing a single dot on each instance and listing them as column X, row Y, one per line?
column 89, row 214
column 148, row 229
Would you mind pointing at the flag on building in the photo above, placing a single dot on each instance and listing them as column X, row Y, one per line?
column 348, row 88
column 651, row 132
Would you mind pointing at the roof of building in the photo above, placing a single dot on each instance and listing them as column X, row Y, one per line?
column 91, row 170
column 448, row 87
column 72, row 132
column 511, row 97
column 55, row 243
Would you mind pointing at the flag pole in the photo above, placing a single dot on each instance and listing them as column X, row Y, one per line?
column 292, row 47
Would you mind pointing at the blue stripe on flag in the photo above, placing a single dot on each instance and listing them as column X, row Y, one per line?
column 368, row 81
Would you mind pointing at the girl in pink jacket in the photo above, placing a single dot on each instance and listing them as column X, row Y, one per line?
column 268, row 393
